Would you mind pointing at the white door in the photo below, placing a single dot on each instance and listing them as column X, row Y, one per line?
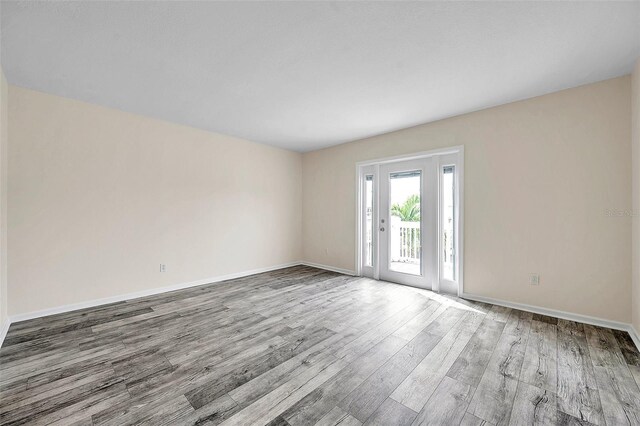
column 409, row 219
column 406, row 223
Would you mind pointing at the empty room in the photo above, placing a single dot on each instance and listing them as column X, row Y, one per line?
column 293, row 213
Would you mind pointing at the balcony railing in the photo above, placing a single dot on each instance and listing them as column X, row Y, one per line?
column 405, row 241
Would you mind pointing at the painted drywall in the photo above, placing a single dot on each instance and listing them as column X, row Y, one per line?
column 100, row 198
column 635, row 195
column 547, row 184
column 4, row 127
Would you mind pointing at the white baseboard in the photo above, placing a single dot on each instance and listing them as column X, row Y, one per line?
column 551, row 312
column 600, row 322
column 130, row 296
column 616, row 325
column 144, row 293
column 151, row 292
column 328, row 268
column 4, row 327
column 635, row 336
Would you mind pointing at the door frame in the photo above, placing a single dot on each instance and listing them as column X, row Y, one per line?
column 373, row 167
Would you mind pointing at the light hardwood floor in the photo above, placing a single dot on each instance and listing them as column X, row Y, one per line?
column 302, row 346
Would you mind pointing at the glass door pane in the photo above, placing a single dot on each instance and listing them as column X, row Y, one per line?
column 448, row 224
column 368, row 225
column 405, row 251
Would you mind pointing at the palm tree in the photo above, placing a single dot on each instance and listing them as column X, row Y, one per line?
column 409, row 211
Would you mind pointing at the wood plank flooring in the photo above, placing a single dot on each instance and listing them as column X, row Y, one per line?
column 303, row 346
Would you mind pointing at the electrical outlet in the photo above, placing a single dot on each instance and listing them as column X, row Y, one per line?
column 163, row 267
column 534, row 279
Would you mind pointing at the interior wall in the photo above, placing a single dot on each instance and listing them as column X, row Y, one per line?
column 100, row 198
column 546, row 190
column 635, row 143
column 4, row 99
column 547, row 183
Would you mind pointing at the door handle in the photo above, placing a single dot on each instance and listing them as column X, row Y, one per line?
column 382, row 228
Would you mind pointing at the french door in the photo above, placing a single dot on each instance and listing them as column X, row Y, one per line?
column 409, row 214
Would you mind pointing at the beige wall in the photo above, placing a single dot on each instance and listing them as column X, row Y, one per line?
column 635, row 143
column 4, row 98
column 99, row 198
column 539, row 175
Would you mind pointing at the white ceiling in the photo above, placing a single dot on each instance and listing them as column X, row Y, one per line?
column 306, row 75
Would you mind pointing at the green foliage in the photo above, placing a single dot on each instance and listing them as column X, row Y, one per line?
column 409, row 211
